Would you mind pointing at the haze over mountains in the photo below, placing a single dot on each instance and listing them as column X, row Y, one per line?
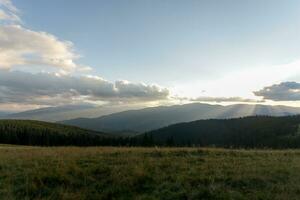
column 3, row 114
column 108, row 119
column 50, row 114
column 59, row 113
column 157, row 117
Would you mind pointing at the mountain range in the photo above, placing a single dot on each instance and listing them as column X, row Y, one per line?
column 246, row 132
column 66, row 112
column 147, row 119
column 109, row 119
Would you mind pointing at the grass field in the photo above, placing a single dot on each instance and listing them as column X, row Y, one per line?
column 147, row 173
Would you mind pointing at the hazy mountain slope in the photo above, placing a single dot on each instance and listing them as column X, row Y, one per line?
column 255, row 131
column 145, row 119
column 50, row 114
column 153, row 118
column 3, row 113
column 60, row 113
column 241, row 110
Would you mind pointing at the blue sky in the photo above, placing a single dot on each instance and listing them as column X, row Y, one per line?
column 169, row 41
column 193, row 48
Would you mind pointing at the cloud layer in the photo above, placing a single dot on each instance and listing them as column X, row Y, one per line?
column 20, row 46
column 51, row 89
column 285, row 91
column 225, row 99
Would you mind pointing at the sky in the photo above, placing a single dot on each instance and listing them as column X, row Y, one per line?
column 148, row 52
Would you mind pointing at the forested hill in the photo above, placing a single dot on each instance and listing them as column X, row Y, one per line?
column 247, row 132
column 28, row 132
column 257, row 131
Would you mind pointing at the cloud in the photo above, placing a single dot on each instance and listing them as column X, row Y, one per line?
column 31, row 50
column 140, row 90
column 52, row 89
column 285, row 91
column 20, row 46
column 8, row 12
column 225, row 99
column 15, row 107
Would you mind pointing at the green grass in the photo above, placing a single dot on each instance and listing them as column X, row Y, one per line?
column 147, row 173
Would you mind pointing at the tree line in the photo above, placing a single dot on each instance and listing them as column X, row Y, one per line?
column 247, row 132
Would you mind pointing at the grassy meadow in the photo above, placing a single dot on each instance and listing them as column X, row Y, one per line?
column 147, row 173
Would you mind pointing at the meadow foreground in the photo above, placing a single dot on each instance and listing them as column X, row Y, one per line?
column 147, row 173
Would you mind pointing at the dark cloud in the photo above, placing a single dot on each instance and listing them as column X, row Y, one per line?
column 51, row 89
column 285, row 91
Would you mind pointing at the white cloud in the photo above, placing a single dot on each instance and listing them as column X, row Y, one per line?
column 20, row 46
column 127, row 89
column 8, row 12
column 3, row 15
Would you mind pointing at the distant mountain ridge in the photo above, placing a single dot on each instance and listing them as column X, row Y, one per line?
column 157, row 117
column 49, row 114
column 66, row 112
column 2, row 113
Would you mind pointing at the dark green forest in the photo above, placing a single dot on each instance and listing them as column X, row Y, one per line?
column 37, row 133
column 27, row 132
column 247, row 132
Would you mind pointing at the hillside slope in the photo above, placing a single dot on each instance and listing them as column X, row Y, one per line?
column 28, row 132
column 256, row 131
column 157, row 117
